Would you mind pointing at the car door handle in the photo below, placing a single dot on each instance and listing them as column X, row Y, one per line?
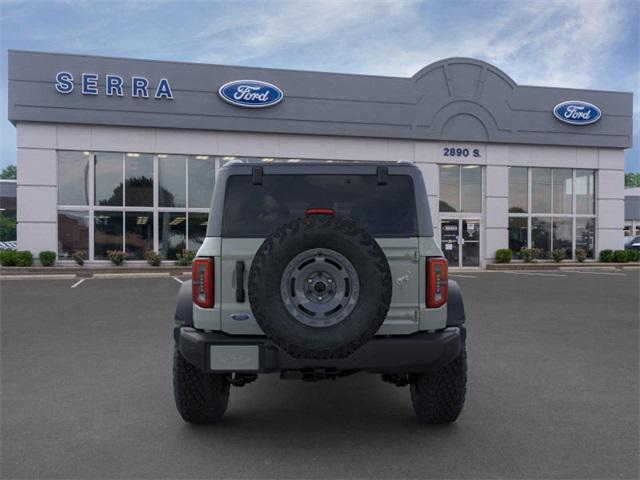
column 240, row 281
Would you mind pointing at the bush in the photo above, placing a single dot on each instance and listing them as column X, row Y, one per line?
column 503, row 255
column 581, row 254
column 47, row 258
column 526, row 254
column 620, row 256
column 117, row 257
column 633, row 255
column 79, row 256
column 606, row 256
column 558, row 255
column 8, row 258
column 153, row 258
column 185, row 257
column 24, row 258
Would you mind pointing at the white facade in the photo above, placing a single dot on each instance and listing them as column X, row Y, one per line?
column 37, row 170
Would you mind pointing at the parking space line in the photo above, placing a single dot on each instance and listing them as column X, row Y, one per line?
column 78, row 283
column 178, row 280
column 538, row 274
column 463, row 276
column 599, row 273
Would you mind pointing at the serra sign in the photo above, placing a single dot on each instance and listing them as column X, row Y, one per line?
column 113, row 85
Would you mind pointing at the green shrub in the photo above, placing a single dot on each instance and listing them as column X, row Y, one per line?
column 558, row 255
column 117, row 257
column 581, row 254
column 606, row 256
column 620, row 256
column 80, row 256
column 503, row 255
column 47, row 258
column 153, row 258
column 24, row 258
column 8, row 258
column 526, row 254
column 185, row 257
column 633, row 255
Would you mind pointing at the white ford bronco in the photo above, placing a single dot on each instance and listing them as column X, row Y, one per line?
column 317, row 271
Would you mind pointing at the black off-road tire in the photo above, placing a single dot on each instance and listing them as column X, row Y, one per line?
column 345, row 237
column 438, row 397
column 200, row 397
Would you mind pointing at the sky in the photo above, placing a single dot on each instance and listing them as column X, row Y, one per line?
column 565, row 43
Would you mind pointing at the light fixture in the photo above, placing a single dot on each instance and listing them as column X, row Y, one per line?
column 470, row 166
column 202, row 157
column 86, row 153
column 142, row 220
column 162, row 155
column 133, row 154
column 293, row 160
column 267, row 159
column 447, row 166
column 177, row 220
column 228, row 158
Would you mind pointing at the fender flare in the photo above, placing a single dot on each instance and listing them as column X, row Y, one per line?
column 184, row 306
column 455, row 305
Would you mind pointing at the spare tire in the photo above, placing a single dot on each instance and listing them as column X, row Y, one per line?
column 320, row 287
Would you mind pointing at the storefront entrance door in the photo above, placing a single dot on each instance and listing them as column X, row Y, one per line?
column 460, row 241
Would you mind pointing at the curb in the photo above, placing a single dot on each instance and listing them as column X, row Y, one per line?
column 37, row 275
column 562, row 266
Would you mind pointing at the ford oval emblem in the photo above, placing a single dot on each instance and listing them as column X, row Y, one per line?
column 577, row 112
column 251, row 93
column 240, row 317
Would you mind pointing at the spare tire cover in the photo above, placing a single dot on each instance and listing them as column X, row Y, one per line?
column 320, row 286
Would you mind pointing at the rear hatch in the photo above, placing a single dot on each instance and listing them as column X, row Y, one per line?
column 253, row 210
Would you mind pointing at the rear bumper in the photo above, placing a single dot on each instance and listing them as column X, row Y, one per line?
column 400, row 354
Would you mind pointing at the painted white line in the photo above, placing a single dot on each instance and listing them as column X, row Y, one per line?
column 78, row 283
column 178, row 280
column 131, row 275
column 55, row 276
column 463, row 276
column 538, row 274
column 598, row 273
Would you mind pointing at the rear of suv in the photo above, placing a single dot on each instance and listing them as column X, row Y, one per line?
column 317, row 271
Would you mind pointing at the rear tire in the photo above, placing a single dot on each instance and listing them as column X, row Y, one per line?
column 438, row 397
column 200, row 397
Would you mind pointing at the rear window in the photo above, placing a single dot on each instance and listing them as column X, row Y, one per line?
column 257, row 210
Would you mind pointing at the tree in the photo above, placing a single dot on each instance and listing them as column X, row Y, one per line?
column 632, row 179
column 9, row 172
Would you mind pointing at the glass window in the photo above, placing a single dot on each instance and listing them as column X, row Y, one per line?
column 138, row 172
column 585, row 235
column 201, row 178
column 138, row 234
column 562, row 235
column 562, row 190
column 197, row 229
column 541, row 190
column 172, row 230
column 517, row 235
column 73, row 233
column 108, row 179
column 471, row 188
column 257, row 210
column 73, row 178
column 449, row 188
column 518, row 190
column 107, row 232
column 585, row 191
column 172, row 173
column 541, row 235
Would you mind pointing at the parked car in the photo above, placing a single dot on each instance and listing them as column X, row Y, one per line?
column 632, row 241
column 318, row 271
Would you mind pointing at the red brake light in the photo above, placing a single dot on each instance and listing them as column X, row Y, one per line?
column 437, row 282
column 319, row 211
column 202, row 282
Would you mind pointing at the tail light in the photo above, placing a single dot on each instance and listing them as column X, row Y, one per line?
column 437, row 282
column 202, row 282
column 319, row 211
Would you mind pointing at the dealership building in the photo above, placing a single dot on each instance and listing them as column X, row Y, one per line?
column 117, row 153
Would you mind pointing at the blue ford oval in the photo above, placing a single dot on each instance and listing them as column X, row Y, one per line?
column 250, row 93
column 577, row 112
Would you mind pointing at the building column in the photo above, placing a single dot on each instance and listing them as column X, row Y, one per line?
column 431, row 176
column 496, row 210
column 610, row 200
column 36, row 193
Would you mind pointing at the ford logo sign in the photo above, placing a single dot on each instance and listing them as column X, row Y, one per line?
column 577, row 112
column 250, row 93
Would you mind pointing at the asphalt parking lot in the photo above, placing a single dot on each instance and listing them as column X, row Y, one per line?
column 552, row 393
